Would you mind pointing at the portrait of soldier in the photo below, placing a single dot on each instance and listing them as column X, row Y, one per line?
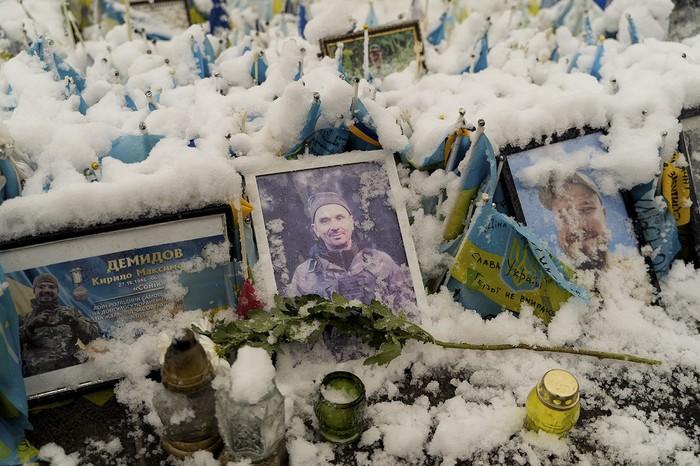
column 580, row 219
column 50, row 333
column 375, row 56
column 341, row 262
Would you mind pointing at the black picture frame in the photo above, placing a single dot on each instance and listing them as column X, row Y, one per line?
column 400, row 42
column 689, row 142
column 105, row 275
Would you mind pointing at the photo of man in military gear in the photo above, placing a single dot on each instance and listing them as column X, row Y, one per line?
column 50, row 332
column 341, row 263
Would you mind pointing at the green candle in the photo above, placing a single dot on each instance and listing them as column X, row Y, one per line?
column 340, row 407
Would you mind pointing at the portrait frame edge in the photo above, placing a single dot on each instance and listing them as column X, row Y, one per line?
column 184, row 227
column 691, row 117
column 312, row 162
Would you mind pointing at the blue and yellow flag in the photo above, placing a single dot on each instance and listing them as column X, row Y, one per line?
column 658, row 226
column 13, row 399
column 499, row 259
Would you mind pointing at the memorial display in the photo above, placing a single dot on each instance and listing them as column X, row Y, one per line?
column 407, row 233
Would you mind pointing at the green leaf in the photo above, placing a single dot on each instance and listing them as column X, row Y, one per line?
column 389, row 351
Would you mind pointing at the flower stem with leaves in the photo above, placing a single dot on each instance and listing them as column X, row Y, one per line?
column 303, row 319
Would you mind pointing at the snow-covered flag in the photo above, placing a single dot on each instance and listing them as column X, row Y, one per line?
column 658, row 226
column 259, row 69
column 218, row 19
column 363, row 132
column 634, row 39
column 13, row 398
column 134, row 148
column 308, row 128
column 500, row 264
column 479, row 60
column 302, row 20
column 440, row 32
column 372, row 20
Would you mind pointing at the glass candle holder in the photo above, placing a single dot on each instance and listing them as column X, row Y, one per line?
column 553, row 405
column 253, row 431
column 340, row 407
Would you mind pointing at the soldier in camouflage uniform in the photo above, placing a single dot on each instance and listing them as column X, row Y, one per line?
column 341, row 264
column 50, row 333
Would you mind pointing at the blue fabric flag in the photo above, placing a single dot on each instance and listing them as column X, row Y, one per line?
column 597, row 61
column 12, row 185
column 308, row 129
column 131, row 105
column 108, row 11
column 262, row 70
column 554, row 56
column 588, row 37
column 302, row 19
column 54, row 63
column 481, row 63
column 363, row 133
column 658, row 226
column 201, row 61
column 133, row 148
column 634, row 39
column 218, row 19
column 439, row 33
column 559, row 21
column 209, row 50
column 372, row 19
column 438, row 159
column 13, row 399
column 329, row 141
column 602, row 3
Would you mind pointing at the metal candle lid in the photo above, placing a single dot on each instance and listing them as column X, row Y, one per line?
column 558, row 389
column 186, row 368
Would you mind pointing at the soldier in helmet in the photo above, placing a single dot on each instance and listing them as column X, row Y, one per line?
column 50, row 333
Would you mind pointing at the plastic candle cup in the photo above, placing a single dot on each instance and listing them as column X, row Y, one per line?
column 340, row 407
column 553, row 405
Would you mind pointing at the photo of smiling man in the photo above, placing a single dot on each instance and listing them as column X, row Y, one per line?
column 340, row 262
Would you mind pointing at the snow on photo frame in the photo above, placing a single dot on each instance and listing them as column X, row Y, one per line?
column 173, row 14
column 554, row 191
column 73, row 288
column 683, row 174
column 391, row 48
column 333, row 224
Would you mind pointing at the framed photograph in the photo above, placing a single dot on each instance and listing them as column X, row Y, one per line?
column 391, row 49
column 73, row 287
column 155, row 14
column 689, row 148
column 556, row 193
column 329, row 225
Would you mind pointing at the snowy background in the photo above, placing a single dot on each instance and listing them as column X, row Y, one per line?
column 429, row 406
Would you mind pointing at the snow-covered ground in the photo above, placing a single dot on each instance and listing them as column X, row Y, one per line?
column 430, row 405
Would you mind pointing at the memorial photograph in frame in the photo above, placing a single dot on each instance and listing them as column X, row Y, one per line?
column 329, row 225
column 162, row 16
column 74, row 287
column 391, row 48
column 556, row 193
column 689, row 147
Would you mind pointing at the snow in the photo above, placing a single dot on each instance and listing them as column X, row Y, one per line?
column 251, row 377
column 430, row 402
